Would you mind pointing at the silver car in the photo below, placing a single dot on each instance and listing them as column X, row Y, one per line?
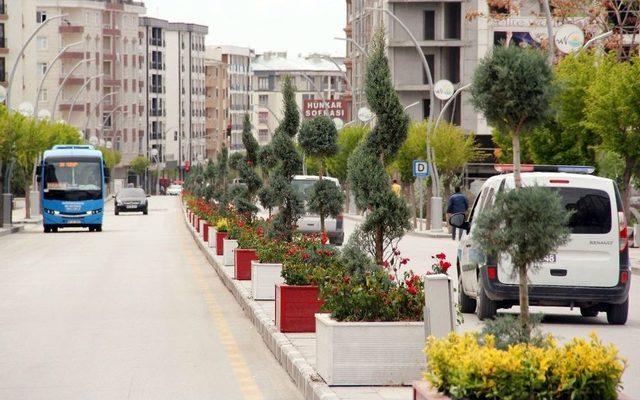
column 310, row 223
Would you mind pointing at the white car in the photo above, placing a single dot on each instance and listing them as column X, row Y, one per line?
column 591, row 272
column 310, row 223
column 174, row 190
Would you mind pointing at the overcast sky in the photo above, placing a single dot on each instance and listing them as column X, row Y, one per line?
column 295, row 26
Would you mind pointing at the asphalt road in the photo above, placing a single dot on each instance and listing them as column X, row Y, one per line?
column 133, row 312
column 563, row 323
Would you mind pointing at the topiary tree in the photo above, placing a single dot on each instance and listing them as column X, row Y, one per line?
column 289, row 163
column 388, row 215
column 512, row 88
column 318, row 138
column 245, row 164
column 222, row 176
column 527, row 225
column 348, row 139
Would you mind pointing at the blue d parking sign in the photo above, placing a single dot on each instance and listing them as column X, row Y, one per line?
column 420, row 169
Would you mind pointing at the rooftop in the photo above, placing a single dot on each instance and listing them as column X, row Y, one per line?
column 273, row 61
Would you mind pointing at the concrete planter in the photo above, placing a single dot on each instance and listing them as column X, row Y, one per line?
column 212, row 236
column 196, row 223
column 369, row 353
column 296, row 307
column 228, row 251
column 242, row 264
column 220, row 237
column 423, row 391
column 264, row 278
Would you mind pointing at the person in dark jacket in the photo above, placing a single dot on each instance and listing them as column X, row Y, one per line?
column 457, row 204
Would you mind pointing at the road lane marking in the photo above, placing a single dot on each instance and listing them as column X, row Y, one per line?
column 248, row 386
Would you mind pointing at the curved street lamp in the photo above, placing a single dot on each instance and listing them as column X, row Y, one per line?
column 75, row 97
column 86, row 122
column 446, row 105
column 46, row 73
column 64, row 81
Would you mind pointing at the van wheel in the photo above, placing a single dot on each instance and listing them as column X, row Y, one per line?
column 589, row 311
column 617, row 313
column 116, row 211
column 145, row 211
column 467, row 304
column 485, row 307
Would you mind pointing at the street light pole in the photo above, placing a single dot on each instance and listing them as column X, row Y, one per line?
column 86, row 122
column 356, row 44
column 46, row 73
column 75, row 98
column 446, row 105
column 64, row 81
column 596, row 38
column 436, row 200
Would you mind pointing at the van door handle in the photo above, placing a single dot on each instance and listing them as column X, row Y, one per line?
column 558, row 272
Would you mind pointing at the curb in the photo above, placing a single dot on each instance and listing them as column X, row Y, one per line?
column 13, row 229
column 427, row 234
column 306, row 379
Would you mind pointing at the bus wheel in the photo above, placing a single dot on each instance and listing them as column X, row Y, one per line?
column 99, row 228
column 47, row 229
column 54, row 229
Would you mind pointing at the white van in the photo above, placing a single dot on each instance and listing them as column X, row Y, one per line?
column 310, row 223
column 591, row 272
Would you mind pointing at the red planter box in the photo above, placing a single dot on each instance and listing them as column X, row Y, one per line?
column 198, row 224
column 220, row 236
column 242, row 268
column 205, row 233
column 296, row 307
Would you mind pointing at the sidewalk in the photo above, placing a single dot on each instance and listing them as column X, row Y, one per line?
column 418, row 232
column 294, row 351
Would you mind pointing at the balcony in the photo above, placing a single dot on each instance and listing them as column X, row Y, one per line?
column 157, row 89
column 111, row 82
column 156, row 42
column 348, row 30
column 3, row 77
column 109, row 31
column 73, row 55
column 67, row 107
column 3, row 45
column 158, row 113
column 3, row 12
column 109, row 56
column 348, row 63
column 71, row 29
column 157, row 65
column 72, row 80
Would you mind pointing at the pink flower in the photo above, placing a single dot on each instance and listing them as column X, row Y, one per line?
column 385, row 264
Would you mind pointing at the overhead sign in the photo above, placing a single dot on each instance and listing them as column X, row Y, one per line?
column 420, row 169
column 330, row 108
column 364, row 114
column 443, row 89
column 338, row 123
column 569, row 38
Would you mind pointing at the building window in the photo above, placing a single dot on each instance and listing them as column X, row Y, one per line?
column 426, row 107
column 42, row 68
column 263, row 99
column 41, row 42
column 429, row 25
column 41, row 16
column 263, row 135
column 44, row 95
column 431, row 61
column 453, row 20
column 263, row 83
column 263, row 117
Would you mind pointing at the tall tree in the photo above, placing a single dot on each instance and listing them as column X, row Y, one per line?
column 245, row 165
column 512, row 87
column 613, row 113
column 289, row 164
column 388, row 216
column 318, row 139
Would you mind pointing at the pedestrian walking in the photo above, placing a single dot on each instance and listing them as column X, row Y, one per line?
column 396, row 188
column 457, row 204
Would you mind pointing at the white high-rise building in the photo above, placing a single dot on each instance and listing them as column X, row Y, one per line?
column 175, row 94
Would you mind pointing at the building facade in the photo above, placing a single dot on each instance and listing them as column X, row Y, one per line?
column 102, row 96
column 238, row 61
column 315, row 78
column 17, row 21
column 175, row 94
column 216, row 106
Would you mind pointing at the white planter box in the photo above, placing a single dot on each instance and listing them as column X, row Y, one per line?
column 212, row 236
column 369, row 353
column 201, row 223
column 228, row 251
column 264, row 277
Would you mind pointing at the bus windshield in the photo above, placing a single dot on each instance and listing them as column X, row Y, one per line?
column 72, row 179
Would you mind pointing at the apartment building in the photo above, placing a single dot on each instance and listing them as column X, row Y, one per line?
column 17, row 20
column 216, row 105
column 317, row 79
column 238, row 61
column 102, row 71
column 175, row 94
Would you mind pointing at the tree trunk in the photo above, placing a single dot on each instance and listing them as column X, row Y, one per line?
column 2, row 172
column 347, row 196
column 516, row 160
column 626, row 186
column 379, row 246
column 320, row 173
column 27, row 200
column 524, row 301
column 414, row 206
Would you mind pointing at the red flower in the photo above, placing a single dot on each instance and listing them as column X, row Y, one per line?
column 404, row 261
column 412, row 290
column 260, row 231
column 346, row 279
column 305, row 256
column 250, row 163
column 393, row 278
column 446, row 265
column 240, row 224
column 441, row 256
column 396, row 252
column 385, row 264
column 324, row 239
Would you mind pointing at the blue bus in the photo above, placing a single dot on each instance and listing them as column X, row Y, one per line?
column 73, row 181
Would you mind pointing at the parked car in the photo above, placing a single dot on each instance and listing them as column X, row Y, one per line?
column 131, row 200
column 591, row 271
column 174, row 190
column 309, row 223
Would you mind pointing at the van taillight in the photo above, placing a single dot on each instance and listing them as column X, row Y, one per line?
column 623, row 236
column 624, row 277
column 339, row 222
column 492, row 273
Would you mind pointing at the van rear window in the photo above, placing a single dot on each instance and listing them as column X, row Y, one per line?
column 591, row 210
